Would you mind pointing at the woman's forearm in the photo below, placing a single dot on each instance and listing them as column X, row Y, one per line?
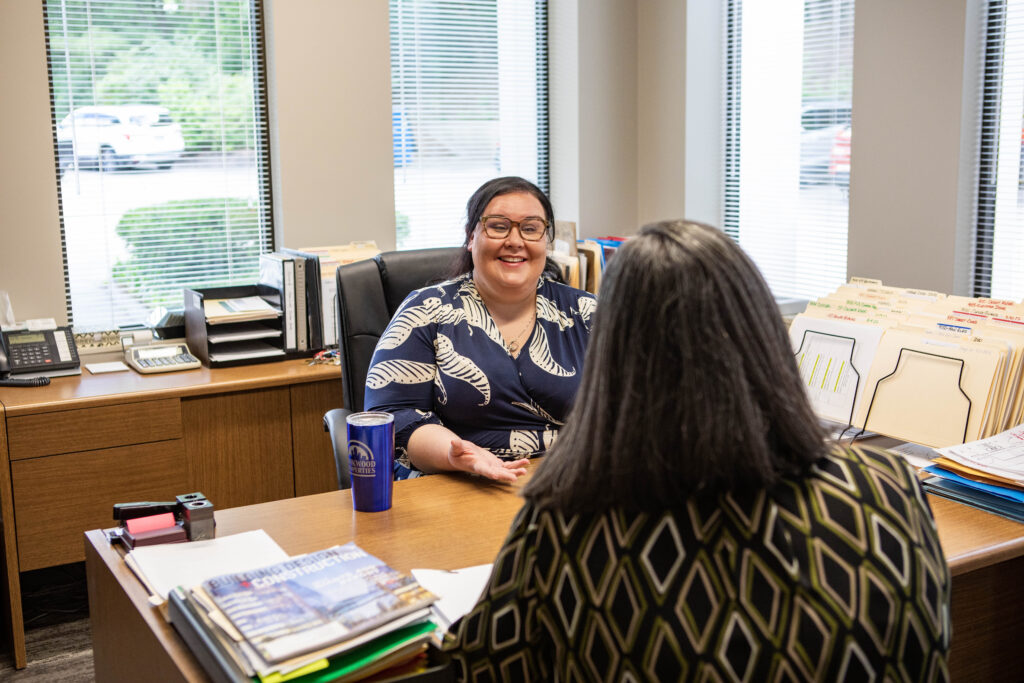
column 428, row 448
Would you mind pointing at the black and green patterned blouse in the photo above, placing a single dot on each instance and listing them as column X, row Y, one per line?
column 835, row 577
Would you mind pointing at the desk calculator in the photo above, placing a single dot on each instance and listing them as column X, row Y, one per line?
column 161, row 358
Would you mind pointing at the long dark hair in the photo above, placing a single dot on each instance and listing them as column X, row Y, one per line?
column 689, row 384
column 479, row 201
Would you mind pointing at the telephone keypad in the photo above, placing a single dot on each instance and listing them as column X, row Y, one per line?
column 30, row 354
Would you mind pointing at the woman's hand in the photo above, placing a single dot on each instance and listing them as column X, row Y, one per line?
column 468, row 457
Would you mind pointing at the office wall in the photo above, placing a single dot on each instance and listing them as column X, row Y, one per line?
column 910, row 193
column 661, row 110
column 31, row 267
column 330, row 85
column 564, row 107
column 328, row 67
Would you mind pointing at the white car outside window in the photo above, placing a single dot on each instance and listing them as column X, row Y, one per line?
column 111, row 137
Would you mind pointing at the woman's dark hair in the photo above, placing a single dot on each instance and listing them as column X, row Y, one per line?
column 479, row 201
column 689, row 384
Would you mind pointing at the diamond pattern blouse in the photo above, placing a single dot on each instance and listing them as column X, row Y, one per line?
column 836, row 576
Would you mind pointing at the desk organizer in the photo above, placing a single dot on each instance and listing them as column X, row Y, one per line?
column 198, row 331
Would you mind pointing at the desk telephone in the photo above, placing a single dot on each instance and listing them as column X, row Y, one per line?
column 38, row 354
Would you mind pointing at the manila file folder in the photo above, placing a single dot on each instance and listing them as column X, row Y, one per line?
column 928, row 391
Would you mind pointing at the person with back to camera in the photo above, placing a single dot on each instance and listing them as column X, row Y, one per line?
column 481, row 370
column 691, row 523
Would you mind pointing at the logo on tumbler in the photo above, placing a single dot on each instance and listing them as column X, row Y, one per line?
column 361, row 462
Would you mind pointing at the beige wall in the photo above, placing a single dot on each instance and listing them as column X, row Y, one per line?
column 31, row 267
column 661, row 110
column 330, row 86
column 607, row 70
column 910, row 195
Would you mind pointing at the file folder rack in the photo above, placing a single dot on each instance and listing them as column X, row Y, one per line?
column 899, row 359
column 198, row 330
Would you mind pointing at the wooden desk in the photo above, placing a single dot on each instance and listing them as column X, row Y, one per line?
column 450, row 521
column 70, row 450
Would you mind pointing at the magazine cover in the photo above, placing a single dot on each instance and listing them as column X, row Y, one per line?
column 317, row 599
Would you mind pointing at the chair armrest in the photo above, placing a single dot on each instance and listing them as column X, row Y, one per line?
column 335, row 423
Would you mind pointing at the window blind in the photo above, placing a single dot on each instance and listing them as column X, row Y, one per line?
column 786, row 131
column 999, row 224
column 469, row 103
column 160, row 136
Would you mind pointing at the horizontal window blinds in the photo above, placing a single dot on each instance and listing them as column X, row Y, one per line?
column 469, row 103
column 999, row 236
column 787, row 134
column 160, row 133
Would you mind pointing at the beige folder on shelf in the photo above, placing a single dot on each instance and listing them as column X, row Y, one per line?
column 930, row 389
column 569, row 267
column 595, row 271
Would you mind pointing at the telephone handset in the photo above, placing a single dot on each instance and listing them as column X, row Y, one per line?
column 36, row 352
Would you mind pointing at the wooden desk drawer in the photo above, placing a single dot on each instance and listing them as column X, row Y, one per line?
column 58, row 498
column 86, row 429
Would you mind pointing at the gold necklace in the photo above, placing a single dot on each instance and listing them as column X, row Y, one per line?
column 513, row 345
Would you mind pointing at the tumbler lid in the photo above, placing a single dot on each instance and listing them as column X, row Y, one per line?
column 370, row 418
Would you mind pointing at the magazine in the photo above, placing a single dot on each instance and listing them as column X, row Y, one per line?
column 308, row 602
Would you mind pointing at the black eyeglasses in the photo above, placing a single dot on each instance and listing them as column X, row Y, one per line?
column 531, row 228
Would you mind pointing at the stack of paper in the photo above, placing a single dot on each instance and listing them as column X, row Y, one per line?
column 988, row 474
column 330, row 259
column 242, row 309
column 338, row 611
column 913, row 364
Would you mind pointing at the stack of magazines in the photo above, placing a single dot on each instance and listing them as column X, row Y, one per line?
column 339, row 614
column 987, row 474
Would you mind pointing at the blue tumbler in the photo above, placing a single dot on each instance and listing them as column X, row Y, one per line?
column 371, row 452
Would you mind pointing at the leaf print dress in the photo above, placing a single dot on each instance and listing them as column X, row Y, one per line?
column 443, row 361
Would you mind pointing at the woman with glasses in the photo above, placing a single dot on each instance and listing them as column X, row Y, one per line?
column 481, row 370
column 692, row 523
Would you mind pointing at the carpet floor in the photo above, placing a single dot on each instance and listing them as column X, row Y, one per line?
column 57, row 636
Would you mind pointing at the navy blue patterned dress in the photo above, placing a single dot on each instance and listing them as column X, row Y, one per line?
column 443, row 361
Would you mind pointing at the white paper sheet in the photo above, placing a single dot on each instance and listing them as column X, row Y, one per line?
column 187, row 564
column 458, row 590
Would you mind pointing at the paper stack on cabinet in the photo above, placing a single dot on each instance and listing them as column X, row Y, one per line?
column 988, row 474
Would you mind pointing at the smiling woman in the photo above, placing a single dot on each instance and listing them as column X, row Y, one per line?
column 481, row 370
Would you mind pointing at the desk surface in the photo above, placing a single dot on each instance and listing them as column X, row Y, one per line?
column 440, row 522
column 443, row 522
column 63, row 393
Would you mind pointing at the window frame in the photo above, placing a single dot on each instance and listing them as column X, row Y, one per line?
column 262, row 149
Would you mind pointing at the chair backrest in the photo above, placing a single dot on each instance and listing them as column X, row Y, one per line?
column 369, row 293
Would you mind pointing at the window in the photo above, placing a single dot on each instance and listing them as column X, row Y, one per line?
column 999, row 233
column 469, row 102
column 160, row 131
column 787, row 125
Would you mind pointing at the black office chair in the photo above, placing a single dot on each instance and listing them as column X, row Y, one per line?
column 369, row 293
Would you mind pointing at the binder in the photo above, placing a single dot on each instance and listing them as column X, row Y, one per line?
column 212, row 655
column 278, row 272
column 313, row 297
column 301, row 321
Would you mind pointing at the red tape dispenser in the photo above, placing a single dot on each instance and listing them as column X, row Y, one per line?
column 187, row 518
